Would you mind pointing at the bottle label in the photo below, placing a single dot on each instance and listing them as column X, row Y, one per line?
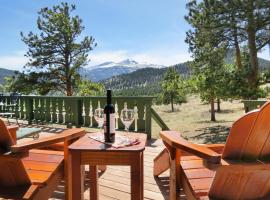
column 112, row 123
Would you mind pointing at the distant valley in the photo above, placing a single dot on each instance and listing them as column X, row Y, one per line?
column 130, row 77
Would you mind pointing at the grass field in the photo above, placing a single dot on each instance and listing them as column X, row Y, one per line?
column 192, row 120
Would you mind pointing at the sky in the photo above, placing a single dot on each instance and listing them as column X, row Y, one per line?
column 147, row 31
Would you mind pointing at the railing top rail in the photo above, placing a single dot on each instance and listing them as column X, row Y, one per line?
column 260, row 100
column 93, row 97
column 159, row 120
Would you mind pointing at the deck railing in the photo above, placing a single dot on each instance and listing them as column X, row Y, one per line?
column 253, row 104
column 79, row 111
column 159, row 120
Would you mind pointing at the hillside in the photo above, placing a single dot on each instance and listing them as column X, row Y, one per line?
column 146, row 81
column 109, row 69
column 5, row 72
column 141, row 78
column 264, row 64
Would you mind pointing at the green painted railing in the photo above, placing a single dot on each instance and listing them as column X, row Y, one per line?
column 253, row 104
column 159, row 120
column 78, row 111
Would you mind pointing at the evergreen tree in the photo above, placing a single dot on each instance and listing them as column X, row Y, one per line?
column 173, row 88
column 245, row 22
column 89, row 88
column 208, row 53
column 55, row 53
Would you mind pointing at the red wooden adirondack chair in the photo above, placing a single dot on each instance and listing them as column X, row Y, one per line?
column 32, row 174
column 237, row 170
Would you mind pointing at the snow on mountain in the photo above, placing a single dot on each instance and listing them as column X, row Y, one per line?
column 109, row 69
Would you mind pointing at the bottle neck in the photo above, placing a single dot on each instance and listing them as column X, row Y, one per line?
column 109, row 97
column 109, row 100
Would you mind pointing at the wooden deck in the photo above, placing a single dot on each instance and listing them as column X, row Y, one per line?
column 114, row 184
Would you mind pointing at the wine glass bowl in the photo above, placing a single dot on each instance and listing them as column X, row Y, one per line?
column 99, row 117
column 127, row 117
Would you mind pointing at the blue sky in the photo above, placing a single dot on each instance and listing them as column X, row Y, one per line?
column 151, row 31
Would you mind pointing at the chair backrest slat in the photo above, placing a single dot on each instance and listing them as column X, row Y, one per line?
column 238, row 136
column 249, row 138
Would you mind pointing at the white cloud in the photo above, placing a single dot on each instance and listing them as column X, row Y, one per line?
column 16, row 61
column 13, row 62
column 162, row 58
column 101, row 57
column 167, row 58
column 265, row 53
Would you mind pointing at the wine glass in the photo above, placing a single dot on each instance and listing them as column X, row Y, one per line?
column 99, row 117
column 127, row 117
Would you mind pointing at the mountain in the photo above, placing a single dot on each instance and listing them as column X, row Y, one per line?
column 5, row 72
column 149, row 77
column 264, row 64
column 110, row 69
column 146, row 81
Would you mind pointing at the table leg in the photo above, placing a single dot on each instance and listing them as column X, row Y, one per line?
column 76, row 179
column 137, row 177
column 93, row 182
column 142, row 174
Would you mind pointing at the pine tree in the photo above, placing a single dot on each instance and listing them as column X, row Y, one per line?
column 55, row 54
column 173, row 88
column 208, row 52
column 242, row 22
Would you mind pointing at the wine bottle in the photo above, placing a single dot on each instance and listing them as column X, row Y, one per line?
column 109, row 119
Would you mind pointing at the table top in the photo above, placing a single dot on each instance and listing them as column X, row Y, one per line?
column 87, row 144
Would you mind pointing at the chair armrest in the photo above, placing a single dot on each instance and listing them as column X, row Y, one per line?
column 174, row 139
column 218, row 148
column 13, row 132
column 13, row 127
column 66, row 135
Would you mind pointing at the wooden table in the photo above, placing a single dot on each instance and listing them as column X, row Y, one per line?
column 87, row 151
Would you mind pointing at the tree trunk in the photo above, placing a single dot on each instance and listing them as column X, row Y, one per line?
column 218, row 105
column 69, row 88
column 253, row 78
column 237, row 53
column 213, row 117
column 253, row 58
column 172, row 102
column 236, row 45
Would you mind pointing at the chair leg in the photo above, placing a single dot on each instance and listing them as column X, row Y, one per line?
column 175, row 155
column 161, row 162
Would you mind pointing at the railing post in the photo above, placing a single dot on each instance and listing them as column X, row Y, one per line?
column 29, row 109
column 148, row 121
column 77, row 111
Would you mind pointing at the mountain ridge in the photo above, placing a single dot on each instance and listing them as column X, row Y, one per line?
column 146, row 81
column 109, row 69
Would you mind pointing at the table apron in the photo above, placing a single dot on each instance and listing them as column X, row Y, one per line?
column 109, row 158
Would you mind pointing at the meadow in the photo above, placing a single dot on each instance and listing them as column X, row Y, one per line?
column 192, row 120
